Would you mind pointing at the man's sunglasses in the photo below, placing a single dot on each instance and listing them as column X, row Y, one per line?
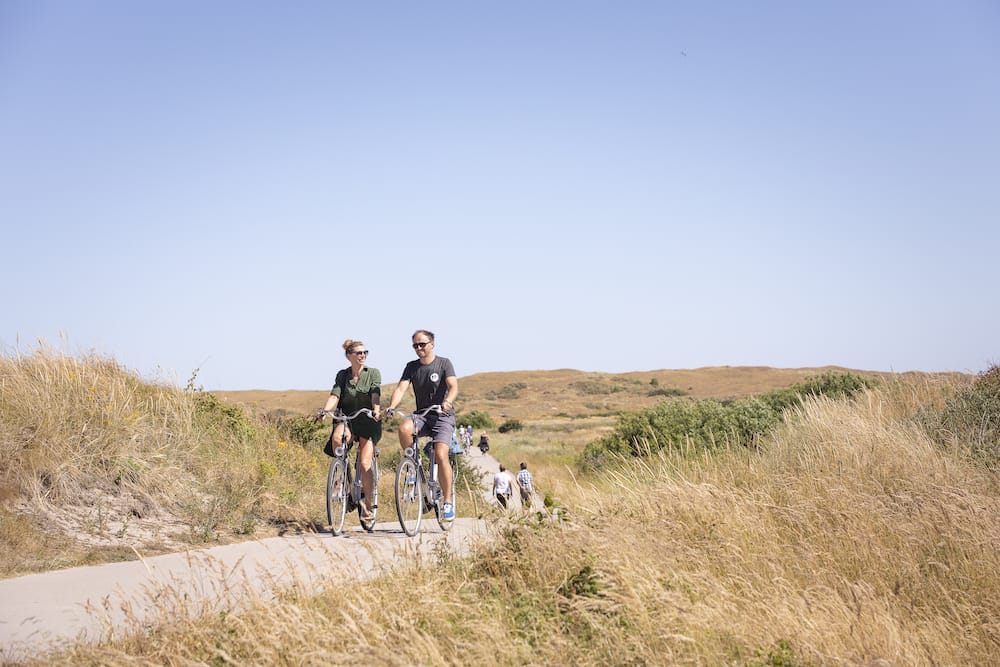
column 420, row 346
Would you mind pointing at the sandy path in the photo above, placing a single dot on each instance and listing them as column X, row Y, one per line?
column 40, row 612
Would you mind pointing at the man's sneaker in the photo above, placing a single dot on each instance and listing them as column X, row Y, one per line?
column 448, row 511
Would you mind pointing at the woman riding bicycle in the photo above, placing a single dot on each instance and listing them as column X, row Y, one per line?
column 357, row 387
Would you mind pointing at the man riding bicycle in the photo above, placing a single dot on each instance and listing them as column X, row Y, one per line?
column 434, row 383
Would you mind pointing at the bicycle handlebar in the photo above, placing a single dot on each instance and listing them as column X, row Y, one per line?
column 430, row 408
column 340, row 417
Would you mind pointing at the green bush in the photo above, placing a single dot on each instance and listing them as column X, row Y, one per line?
column 705, row 424
column 595, row 387
column 667, row 391
column 510, row 425
column 509, row 391
column 830, row 384
column 301, row 430
column 214, row 416
column 972, row 418
column 477, row 419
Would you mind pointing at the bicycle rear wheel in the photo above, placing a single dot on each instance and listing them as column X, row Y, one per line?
column 409, row 497
column 336, row 495
column 369, row 523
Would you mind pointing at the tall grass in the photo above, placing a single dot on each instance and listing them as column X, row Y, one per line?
column 101, row 453
column 707, row 424
column 848, row 537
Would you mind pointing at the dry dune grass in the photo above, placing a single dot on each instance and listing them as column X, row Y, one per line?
column 534, row 395
column 94, row 463
column 849, row 538
column 86, row 447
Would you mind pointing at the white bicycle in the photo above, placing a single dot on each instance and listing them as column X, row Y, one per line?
column 344, row 490
column 417, row 489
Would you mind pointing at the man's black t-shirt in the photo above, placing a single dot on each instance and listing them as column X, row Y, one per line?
column 429, row 387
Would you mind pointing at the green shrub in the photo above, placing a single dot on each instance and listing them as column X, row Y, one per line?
column 830, row 384
column 216, row 417
column 705, row 424
column 667, row 391
column 510, row 425
column 972, row 418
column 300, row 429
column 476, row 419
column 509, row 391
column 595, row 387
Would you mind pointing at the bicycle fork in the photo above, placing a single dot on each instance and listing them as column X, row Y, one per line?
column 434, row 485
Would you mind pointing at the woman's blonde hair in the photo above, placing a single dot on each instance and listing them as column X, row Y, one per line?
column 350, row 344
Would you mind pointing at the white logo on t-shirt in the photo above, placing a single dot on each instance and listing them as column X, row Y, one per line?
column 435, row 377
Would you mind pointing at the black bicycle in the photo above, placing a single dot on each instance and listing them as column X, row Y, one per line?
column 344, row 489
column 417, row 489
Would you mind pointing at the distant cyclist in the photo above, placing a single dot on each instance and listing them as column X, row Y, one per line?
column 357, row 387
column 434, row 383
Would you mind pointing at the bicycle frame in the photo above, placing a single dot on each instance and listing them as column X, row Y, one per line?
column 344, row 489
column 417, row 489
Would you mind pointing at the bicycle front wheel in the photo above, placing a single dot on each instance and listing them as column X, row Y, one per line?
column 336, row 495
column 409, row 497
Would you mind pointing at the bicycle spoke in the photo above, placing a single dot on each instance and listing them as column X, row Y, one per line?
column 336, row 495
column 409, row 497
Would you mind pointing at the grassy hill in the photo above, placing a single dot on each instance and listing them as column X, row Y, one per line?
column 531, row 395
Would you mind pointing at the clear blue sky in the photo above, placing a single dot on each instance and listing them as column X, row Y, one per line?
column 607, row 186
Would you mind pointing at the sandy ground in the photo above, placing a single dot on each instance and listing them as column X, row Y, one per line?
column 42, row 612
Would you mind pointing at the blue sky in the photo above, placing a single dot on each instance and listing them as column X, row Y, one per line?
column 239, row 186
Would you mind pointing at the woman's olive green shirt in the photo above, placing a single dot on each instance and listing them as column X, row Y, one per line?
column 354, row 396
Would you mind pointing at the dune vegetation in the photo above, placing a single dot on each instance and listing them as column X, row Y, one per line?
column 855, row 528
column 95, row 462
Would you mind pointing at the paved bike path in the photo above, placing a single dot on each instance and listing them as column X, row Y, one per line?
column 39, row 612
column 43, row 611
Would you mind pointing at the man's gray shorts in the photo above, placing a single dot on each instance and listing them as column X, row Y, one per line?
column 439, row 427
